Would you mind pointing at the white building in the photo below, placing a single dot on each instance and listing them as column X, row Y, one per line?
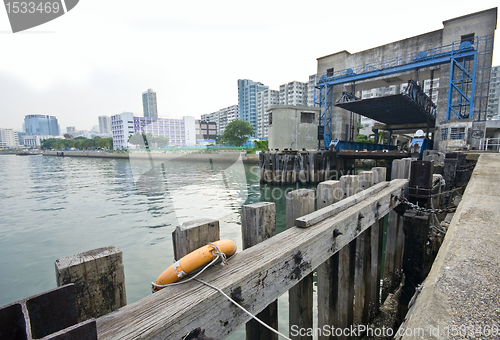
column 293, row 93
column 122, row 127
column 104, row 124
column 494, row 93
column 34, row 141
column 313, row 79
column 265, row 99
column 180, row 132
column 8, row 138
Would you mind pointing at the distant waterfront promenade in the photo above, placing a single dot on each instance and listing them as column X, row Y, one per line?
column 220, row 156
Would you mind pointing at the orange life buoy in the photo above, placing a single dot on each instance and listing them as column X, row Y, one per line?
column 192, row 261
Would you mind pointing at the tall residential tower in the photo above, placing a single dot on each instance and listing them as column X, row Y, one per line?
column 247, row 100
column 149, row 104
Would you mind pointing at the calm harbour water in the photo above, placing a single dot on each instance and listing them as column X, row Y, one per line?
column 52, row 207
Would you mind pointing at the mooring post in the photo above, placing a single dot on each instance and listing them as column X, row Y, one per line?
column 300, row 297
column 194, row 234
column 395, row 234
column 258, row 223
column 99, row 280
column 415, row 263
column 328, row 193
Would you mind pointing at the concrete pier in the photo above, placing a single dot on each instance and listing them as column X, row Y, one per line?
column 460, row 295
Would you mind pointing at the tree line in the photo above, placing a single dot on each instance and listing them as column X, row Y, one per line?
column 77, row 143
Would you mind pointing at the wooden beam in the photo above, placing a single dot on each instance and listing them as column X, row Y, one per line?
column 333, row 209
column 262, row 273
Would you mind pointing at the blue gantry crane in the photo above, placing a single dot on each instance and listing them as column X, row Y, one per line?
column 461, row 55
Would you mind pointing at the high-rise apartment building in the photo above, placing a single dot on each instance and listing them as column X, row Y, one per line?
column 293, row 93
column 222, row 117
column 313, row 79
column 247, row 100
column 494, row 93
column 265, row 99
column 149, row 104
column 8, row 138
column 41, row 125
column 104, row 124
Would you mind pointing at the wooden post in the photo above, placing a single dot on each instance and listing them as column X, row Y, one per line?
column 376, row 237
column 335, row 276
column 194, row 234
column 300, row 297
column 362, row 268
column 328, row 193
column 258, row 223
column 99, row 281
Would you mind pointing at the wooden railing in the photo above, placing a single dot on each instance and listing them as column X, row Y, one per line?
column 342, row 240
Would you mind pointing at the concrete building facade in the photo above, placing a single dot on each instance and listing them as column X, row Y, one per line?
column 293, row 127
column 473, row 27
column 41, row 125
column 8, row 138
column 265, row 99
column 247, row 100
column 149, row 104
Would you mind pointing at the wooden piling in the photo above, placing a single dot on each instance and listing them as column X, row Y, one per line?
column 328, row 193
column 258, row 223
column 99, row 281
column 194, row 234
column 300, row 297
column 362, row 268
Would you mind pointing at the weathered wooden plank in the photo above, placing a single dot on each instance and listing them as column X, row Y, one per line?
column 263, row 273
column 258, row 223
column 331, row 210
column 194, row 234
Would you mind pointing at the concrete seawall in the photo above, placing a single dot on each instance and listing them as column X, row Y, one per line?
column 460, row 296
column 184, row 157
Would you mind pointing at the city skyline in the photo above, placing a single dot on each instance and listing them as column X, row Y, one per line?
column 82, row 72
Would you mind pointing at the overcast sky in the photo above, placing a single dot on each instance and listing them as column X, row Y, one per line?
column 99, row 57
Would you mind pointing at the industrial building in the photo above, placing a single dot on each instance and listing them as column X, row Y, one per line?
column 459, row 55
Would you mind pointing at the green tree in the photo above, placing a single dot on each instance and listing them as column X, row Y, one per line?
column 161, row 141
column 137, row 139
column 237, row 132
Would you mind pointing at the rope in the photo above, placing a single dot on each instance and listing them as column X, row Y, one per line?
column 244, row 310
column 219, row 254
